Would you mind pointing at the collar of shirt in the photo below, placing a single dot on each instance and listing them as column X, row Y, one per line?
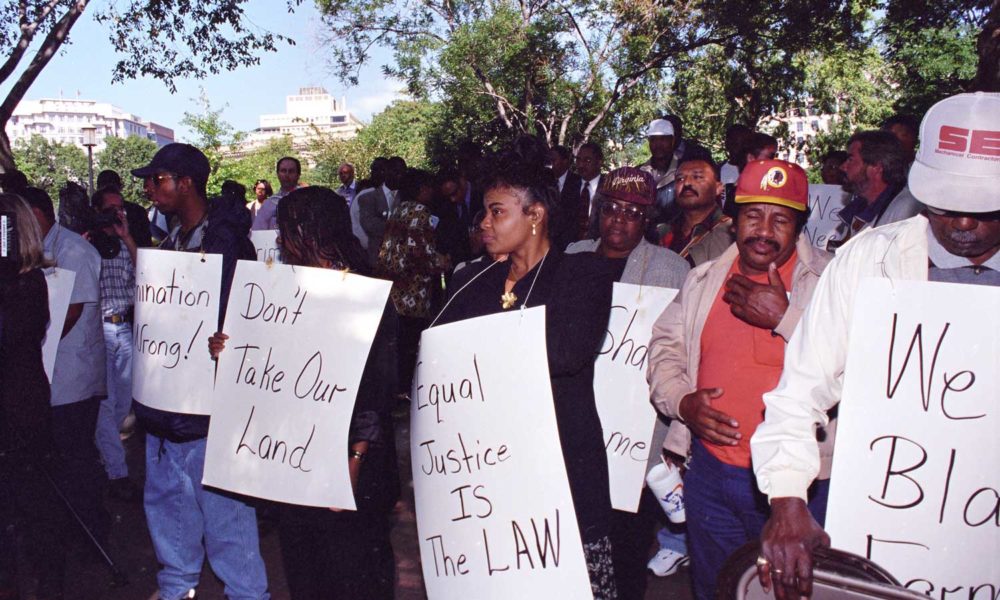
column 943, row 259
column 860, row 209
column 390, row 196
column 562, row 180
column 592, row 185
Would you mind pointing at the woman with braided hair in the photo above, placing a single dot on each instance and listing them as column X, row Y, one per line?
column 332, row 554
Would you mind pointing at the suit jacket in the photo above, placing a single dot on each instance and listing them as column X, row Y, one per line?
column 564, row 225
column 452, row 231
column 373, row 212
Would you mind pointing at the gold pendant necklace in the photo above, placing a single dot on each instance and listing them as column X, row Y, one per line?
column 508, row 300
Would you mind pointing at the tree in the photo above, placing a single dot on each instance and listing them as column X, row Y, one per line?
column 259, row 163
column 406, row 128
column 164, row 39
column 49, row 165
column 566, row 71
column 932, row 46
column 214, row 136
column 122, row 155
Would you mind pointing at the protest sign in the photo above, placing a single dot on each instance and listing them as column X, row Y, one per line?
column 265, row 242
column 60, row 286
column 826, row 202
column 176, row 310
column 916, row 470
column 287, row 381
column 621, row 391
column 494, row 513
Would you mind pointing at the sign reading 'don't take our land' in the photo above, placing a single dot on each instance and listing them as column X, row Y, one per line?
column 621, row 390
column 299, row 338
column 176, row 310
column 494, row 514
column 826, row 202
column 916, row 471
column 265, row 242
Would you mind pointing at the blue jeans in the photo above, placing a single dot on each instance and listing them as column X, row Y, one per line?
column 673, row 537
column 114, row 408
column 725, row 510
column 181, row 514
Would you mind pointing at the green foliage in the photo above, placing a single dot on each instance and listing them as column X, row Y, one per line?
column 49, row 165
column 403, row 129
column 122, row 155
column 575, row 70
column 258, row 163
column 214, row 136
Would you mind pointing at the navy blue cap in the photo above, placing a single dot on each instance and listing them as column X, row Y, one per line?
column 183, row 160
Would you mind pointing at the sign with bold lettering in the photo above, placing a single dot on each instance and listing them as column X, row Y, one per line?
column 916, row 472
column 299, row 339
column 265, row 241
column 494, row 512
column 60, row 285
column 176, row 310
column 621, row 391
column 826, row 202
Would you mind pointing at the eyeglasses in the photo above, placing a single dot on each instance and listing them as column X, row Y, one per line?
column 159, row 178
column 631, row 214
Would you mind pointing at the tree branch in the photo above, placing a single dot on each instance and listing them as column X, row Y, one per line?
column 28, row 31
column 53, row 41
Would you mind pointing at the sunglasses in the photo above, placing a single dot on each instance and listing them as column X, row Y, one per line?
column 160, row 178
column 631, row 214
column 951, row 214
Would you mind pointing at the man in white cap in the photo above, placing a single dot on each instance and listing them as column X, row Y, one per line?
column 661, row 164
column 957, row 240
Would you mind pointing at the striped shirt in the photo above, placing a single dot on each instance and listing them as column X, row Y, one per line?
column 117, row 283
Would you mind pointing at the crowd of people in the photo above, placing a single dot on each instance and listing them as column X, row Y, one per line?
column 744, row 367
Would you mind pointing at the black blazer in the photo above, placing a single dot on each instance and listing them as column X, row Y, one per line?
column 576, row 292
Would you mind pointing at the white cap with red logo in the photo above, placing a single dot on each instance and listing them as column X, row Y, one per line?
column 958, row 165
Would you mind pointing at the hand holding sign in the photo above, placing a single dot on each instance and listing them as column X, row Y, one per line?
column 758, row 304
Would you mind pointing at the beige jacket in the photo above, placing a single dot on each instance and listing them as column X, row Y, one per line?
column 675, row 347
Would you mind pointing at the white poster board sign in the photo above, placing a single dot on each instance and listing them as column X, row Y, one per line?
column 621, row 390
column 494, row 513
column 826, row 202
column 299, row 339
column 916, row 471
column 176, row 310
column 265, row 242
column 60, row 287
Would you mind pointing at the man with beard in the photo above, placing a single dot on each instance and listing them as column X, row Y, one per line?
column 875, row 173
column 700, row 232
column 625, row 200
column 719, row 346
column 956, row 240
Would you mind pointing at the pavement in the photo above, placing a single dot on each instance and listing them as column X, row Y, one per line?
column 131, row 548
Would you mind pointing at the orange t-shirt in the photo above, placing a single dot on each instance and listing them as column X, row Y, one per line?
column 745, row 361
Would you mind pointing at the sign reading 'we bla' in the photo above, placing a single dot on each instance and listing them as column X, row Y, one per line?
column 915, row 485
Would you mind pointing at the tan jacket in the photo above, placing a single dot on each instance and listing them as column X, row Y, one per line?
column 675, row 347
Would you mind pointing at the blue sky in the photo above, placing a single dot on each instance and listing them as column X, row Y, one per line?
column 85, row 66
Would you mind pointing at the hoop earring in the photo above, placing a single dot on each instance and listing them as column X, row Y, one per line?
column 534, row 230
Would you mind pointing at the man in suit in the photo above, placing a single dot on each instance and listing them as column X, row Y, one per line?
column 589, row 162
column 375, row 205
column 460, row 202
column 569, row 184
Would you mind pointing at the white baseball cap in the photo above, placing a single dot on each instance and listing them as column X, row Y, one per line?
column 660, row 127
column 958, row 165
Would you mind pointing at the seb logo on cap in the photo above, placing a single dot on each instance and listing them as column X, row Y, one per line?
column 969, row 141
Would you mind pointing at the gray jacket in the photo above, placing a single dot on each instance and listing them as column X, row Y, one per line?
column 654, row 266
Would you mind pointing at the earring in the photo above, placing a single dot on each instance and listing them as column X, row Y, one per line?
column 534, row 230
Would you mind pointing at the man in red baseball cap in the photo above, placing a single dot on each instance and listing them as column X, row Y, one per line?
column 720, row 346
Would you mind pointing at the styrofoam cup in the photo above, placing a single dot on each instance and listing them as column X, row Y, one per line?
column 665, row 482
